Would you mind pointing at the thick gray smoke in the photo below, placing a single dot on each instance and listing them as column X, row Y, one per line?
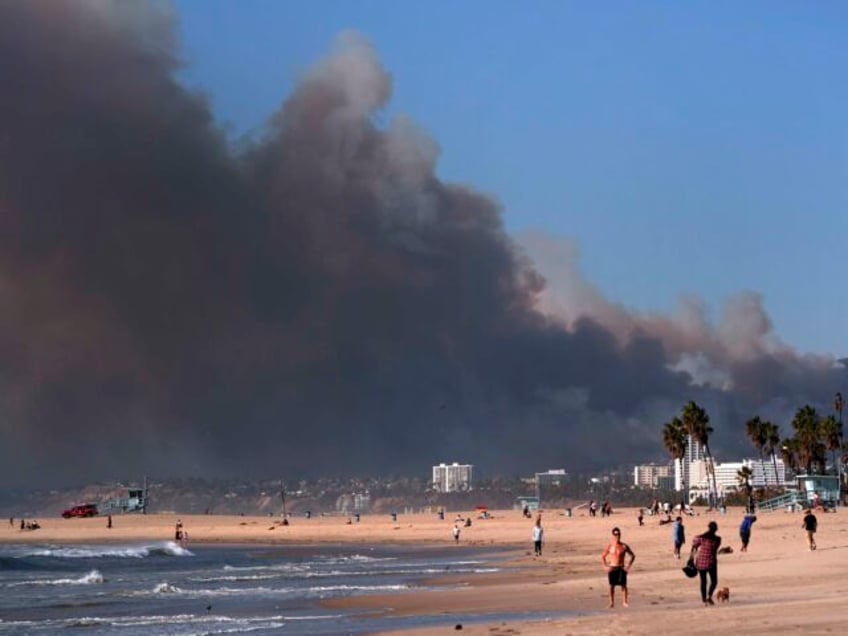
column 317, row 303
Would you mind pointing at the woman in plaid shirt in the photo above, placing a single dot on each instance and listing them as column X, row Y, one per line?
column 705, row 551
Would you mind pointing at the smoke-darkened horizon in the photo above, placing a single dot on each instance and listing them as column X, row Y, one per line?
column 316, row 302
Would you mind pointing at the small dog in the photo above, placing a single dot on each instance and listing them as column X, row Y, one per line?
column 725, row 550
column 723, row 595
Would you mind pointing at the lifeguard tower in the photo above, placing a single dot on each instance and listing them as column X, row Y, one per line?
column 827, row 487
column 530, row 503
column 804, row 493
column 134, row 501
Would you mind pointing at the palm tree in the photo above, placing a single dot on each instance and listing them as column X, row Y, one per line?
column 831, row 432
column 697, row 424
column 674, row 440
column 756, row 429
column 743, row 476
column 810, row 448
column 790, row 454
column 772, row 433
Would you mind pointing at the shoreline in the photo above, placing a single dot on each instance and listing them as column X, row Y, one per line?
column 778, row 586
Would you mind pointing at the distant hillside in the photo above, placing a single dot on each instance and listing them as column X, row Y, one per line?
column 325, row 496
column 203, row 497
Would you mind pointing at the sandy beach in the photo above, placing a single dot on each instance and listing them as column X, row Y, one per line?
column 778, row 586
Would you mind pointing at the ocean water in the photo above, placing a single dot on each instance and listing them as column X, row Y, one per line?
column 163, row 588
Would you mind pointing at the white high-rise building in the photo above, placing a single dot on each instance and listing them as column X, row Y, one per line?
column 452, row 477
column 683, row 469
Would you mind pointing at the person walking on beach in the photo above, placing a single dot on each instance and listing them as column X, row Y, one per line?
column 810, row 525
column 537, row 536
column 613, row 558
column 705, row 552
column 745, row 530
column 456, row 532
column 678, row 536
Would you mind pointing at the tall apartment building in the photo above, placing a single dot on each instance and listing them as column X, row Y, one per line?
column 683, row 473
column 652, row 475
column 452, row 477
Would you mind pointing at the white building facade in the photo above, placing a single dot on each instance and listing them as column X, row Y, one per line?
column 454, row 477
column 683, row 475
column 652, row 475
column 727, row 476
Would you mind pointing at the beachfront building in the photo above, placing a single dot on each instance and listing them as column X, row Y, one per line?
column 687, row 471
column 454, row 477
column 652, row 475
column 769, row 473
column 727, row 475
column 554, row 478
column 361, row 501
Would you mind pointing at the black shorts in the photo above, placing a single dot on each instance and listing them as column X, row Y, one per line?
column 617, row 576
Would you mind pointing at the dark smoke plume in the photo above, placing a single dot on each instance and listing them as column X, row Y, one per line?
column 317, row 303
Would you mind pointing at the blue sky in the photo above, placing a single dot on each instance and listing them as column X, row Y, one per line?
column 687, row 148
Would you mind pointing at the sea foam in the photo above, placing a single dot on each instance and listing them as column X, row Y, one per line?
column 165, row 548
column 91, row 578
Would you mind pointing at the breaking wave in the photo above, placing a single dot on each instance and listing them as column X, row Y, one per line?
column 216, row 624
column 91, row 578
column 312, row 592
column 165, row 548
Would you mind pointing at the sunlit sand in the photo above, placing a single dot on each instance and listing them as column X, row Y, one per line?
column 777, row 587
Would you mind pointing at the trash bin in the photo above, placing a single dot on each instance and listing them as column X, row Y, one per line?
column 568, row 512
